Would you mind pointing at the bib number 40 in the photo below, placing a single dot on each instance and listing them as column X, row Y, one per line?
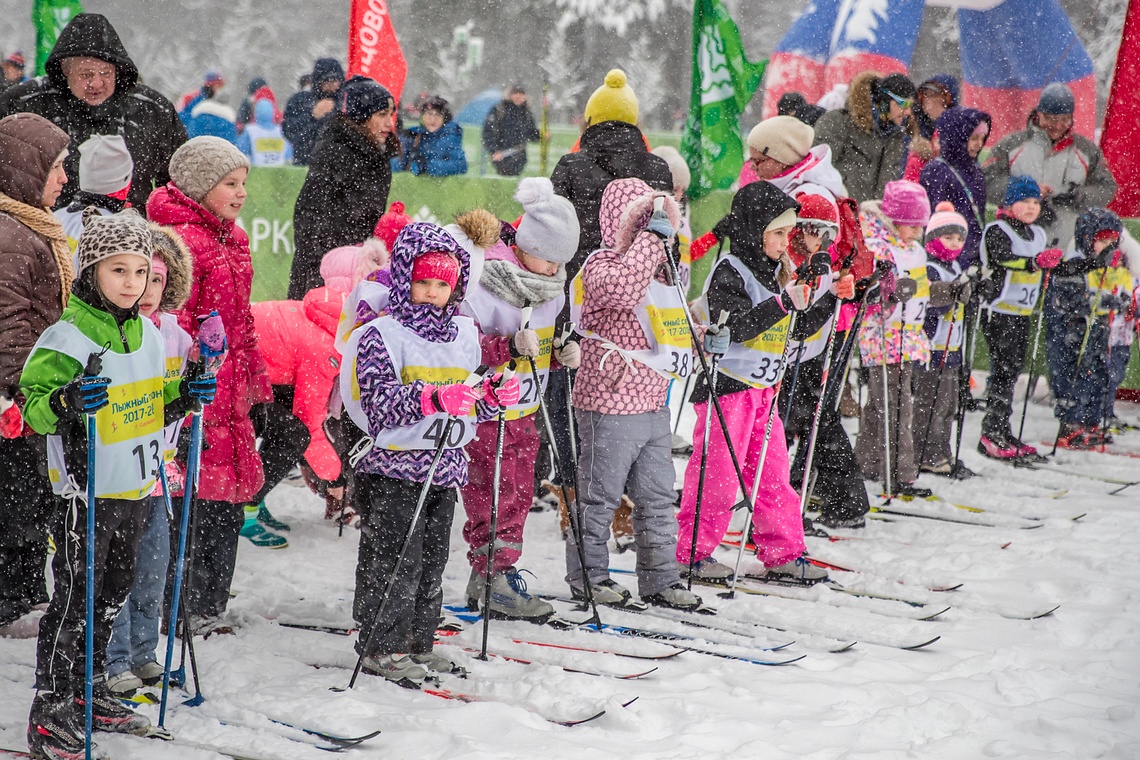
column 454, row 437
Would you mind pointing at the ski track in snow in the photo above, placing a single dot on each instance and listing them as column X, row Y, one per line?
column 1064, row 686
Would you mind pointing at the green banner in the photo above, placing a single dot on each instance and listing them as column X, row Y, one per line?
column 723, row 83
column 49, row 17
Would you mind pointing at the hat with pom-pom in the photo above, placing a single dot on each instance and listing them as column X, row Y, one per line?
column 613, row 101
column 388, row 226
column 549, row 228
column 945, row 221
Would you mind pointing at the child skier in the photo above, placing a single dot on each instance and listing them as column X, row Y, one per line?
column 105, row 169
column 936, row 384
column 131, row 661
column 529, row 272
column 131, row 401
column 401, row 379
column 1013, row 256
column 891, row 339
column 756, row 284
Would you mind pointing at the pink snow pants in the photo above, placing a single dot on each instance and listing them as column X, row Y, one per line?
column 777, row 527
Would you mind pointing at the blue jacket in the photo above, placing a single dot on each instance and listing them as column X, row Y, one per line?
column 203, row 116
column 437, row 154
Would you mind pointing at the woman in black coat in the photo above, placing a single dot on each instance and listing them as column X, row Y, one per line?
column 346, row 190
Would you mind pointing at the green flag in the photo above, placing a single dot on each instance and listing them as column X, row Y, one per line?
column 723, row 83
column 49, row 17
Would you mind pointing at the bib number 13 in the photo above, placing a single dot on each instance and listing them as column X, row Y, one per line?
column 155, row 457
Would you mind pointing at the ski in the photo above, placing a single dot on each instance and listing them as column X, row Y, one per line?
column 333, row 629
column 1097, row 450
column 1077, row 474
column 936, row 499
column 567, row 668
column 896, row 511
column 469, row 698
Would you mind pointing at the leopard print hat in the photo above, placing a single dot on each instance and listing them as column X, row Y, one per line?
column 105, row 236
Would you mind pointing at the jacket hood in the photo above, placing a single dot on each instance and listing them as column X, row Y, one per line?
column 327, row 70
column 322, row 306
column 91, row 35
column 859, row 100
column 814, row 172
column 29, row 145
column 264, row 113
column 415, row 240
column 754, row 207
column 613, row 146
column 955, row 126
column 625, row 210
column 169, row 247
column 1089, row 224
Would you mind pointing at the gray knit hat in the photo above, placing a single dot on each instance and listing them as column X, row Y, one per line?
column 199, row 164
column 105, row 164
column 109, row 235
column 549, row 228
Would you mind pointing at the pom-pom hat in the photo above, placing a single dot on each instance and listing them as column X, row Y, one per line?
column 945, row 221
column 549, row 228
column 613, row 101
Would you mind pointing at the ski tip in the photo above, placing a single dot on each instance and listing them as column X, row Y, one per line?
column 920, row 645
column 1033, row 615
column 845, row 647
column 630, row 702
column 932, row 615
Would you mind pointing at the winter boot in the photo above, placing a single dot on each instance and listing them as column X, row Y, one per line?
column 707, row 570
column 798, row 570
column 150, row 673
column 912, row 491
column 610, row 594
column 998, row 446
column 437, row 663
column 269, row 520
column 111, row 715
column 400, row 669
column 124, row 684
column 55, row 731
column 257, row 534
column 1026, row 452
column 675, row 597
column 833, row 521
column 509, row 598
column 680, row 447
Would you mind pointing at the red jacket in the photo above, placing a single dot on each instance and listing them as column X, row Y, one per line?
column 223, row 274
column 297, row 337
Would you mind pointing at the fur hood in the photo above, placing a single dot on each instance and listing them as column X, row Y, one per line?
column 859, row 100
column 169, row 247
column 626, row 207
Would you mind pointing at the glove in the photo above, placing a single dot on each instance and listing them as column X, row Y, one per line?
column 499, row 393
column 660, row 225
column 201, row 388
column 83, row 395
column 717, row 339
column 525, row 343
column 905, row 289
column 816, row 265
column 568, row 355
column 1049, row 258
column 965, row 291
column 455, row 399
column 887, row 284
column 11, row 421
column 796, row 296
column 844, row 288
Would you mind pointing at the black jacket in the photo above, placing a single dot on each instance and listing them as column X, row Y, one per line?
column 144, row 117
column 607, row 151
column 344, row 195
column 509, row 126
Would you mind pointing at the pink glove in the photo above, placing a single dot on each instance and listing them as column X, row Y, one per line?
column 455, row 399
column 1049, row 258
column 499, row 393
column 844, row 288
column 11, row 422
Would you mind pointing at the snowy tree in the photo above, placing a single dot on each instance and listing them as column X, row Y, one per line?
column 562, row 71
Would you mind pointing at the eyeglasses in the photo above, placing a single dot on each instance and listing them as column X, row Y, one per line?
column 903, row 103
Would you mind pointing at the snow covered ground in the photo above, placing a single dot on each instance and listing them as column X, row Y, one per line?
column 1064, row 686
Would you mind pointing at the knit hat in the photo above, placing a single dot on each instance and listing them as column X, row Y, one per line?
column 785, row 219
column 906, row 202
column 201, row 163
column 898, row 85
column 390, row 223
column 549, row 227
column 613, row 101
column 782, row 138
column 16, row 59
column 944, row 221
column 682, row 176
column 214, row 79
column 361, row 97
column 1020, row 187
column 105, row 165
column 109, row 235
column 1056, row 99
column 818, row 211
column 436, row 265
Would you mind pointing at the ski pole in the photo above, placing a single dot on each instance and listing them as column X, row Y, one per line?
column 1084, row 345
column 1032, row 380
column 684, row 397
column 971, row 323
column 93, row 368
column 472, row 380
column 805, row 491
column 489, row 572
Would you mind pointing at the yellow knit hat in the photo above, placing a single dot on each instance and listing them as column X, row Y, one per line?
column 613, row 101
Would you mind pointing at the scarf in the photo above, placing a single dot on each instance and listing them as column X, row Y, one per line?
column 517, row 286
column 41, row 222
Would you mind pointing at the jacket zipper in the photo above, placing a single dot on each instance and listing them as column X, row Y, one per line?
column 123, row 336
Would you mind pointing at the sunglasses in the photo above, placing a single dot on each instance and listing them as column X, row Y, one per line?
column 904, row 103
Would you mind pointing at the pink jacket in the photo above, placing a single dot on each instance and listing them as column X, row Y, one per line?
column 297, row 337
column 223, row 274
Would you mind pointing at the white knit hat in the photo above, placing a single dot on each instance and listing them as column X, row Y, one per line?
column 109, row 235
column 783, row 138
column 549, row 228
column 105, row 164
column 202, row 162
column 682, row 177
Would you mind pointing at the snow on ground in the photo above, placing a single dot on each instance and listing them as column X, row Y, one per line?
column 1064, row 686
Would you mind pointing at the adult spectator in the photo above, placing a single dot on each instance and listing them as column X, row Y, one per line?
column 12, row 71
column 92, row 88
column 868, row 137
column 346, row 189
column 935, row 95
column 35, row 280
column 780, row 151
column 308, row 111
column 1069, row 168
column 955, row 175
column 202, row 114
column 509, row 126
column 434, row 148
column 795, row 104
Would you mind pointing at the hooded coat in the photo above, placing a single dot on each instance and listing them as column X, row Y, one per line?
column 223, row 275
column 956, row 177
column 143, row 116
column 436, row 154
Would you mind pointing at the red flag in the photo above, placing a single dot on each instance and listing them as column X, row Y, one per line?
column 1120, row 140
column 373, row 50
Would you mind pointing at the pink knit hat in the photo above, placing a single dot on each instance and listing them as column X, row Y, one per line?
column 944, row 221
column 905, row 202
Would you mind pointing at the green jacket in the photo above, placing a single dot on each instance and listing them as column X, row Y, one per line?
column 48, row 370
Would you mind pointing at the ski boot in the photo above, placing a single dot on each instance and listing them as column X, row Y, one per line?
column 109, row 714
column 55, row 730
column 707, row 570
column 609, row 593
column 269, row 520
column 797, row 571
column 437, row 663
column 910, row 490
column 400, row 669
column 999, row 446
column 675, row 597
column 256, row 532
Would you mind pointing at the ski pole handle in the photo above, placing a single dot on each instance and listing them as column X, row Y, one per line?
column 527, row 310
column 476, row 376
column 722, row 319
column 659, row 203
column 94, row 365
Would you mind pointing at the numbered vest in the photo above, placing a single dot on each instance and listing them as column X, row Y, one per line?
column 177, row 342
column 757, row 362
column 414, row 358
column 497, row 317
column 1019, row 289
column 814, row 345
column 1113, row 280
column 948, row 334
column 910, row 262
column 266, row 145
column 129, row 441
column 374, row 294
column 661, row 315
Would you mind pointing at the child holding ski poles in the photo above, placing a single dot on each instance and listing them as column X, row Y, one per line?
column 131, row 400
column 756, row 285
column 1014, row 254
column 402, row 382
column 936, row 384
column 891, row 339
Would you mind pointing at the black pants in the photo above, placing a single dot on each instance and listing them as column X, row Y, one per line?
column 211, row 555
column 284, row 439
column 61, row 647
column 1008, row 339
column 512, row 165
column 26, row 509
column 412, row 613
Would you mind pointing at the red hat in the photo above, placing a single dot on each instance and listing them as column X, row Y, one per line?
column 390, row 224
column 436, row 265
column 16, row 59
column 818, row 211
